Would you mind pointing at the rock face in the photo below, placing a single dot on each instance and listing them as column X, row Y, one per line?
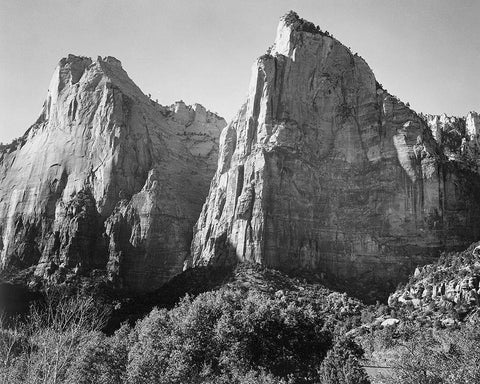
column 106, row 179
column 323, row 170
column 458, row 137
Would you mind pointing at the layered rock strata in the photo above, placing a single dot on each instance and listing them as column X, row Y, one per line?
column 323, row 170
column 106, row 179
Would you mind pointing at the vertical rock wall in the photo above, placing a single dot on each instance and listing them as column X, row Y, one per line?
column 323, row 171
column 105, row 179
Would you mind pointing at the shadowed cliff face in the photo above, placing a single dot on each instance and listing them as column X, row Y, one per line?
column 105, row 179
column 322, row 170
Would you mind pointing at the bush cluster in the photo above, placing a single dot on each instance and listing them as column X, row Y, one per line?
column 224, row 336
column 424, row 356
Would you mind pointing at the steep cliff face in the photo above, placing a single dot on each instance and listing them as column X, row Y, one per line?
column 323, row 170
column 105, row 179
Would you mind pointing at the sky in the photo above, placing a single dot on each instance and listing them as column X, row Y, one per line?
column 426, row 52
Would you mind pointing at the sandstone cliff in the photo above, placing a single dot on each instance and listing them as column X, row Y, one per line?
column 106, row 179
column 323, row 170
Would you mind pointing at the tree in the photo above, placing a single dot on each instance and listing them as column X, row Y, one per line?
column 228, row 334
column 439, row 356
column 54, row 334
column 342, row 365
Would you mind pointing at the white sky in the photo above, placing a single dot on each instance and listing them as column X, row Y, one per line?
column 426, row 52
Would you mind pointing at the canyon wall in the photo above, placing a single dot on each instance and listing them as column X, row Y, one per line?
column 106, row 181
column 324, row 171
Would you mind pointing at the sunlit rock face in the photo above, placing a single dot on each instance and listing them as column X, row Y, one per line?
column 453, row 133
column 324, row 171
column 106, row 179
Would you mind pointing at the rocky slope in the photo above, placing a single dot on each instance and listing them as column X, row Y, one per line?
column 105, row 180
column 446, row 291
column 324, row 170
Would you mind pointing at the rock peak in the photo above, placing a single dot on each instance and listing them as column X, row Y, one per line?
column 71, row 58
column 322, row 171
column 78, row 73
column 110, row 60
column 77, row 59
column 107, row 180
column 296, row 23
column 293, row 30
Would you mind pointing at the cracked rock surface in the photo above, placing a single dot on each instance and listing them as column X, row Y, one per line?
column 323, row 170
column 106, row 179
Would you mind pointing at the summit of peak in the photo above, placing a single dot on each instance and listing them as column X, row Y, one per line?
column 76, row 74
column 296, row 23
column 291, row 30
column 110, row 60
column 71, row 59
column 76, row 64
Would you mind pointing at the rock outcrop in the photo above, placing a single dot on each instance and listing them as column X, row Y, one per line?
column 458, row 137
column 323, row 170
column 105, row 180
column 446, row 291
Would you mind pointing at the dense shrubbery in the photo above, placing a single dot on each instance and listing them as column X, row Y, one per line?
column 44, row 348
column 232, row 335
column 418, row 355
column 222, row 333
column 248, row 331
column 259, row 326
column 342, row 365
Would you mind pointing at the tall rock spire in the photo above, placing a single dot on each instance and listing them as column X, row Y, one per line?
column 324, row 171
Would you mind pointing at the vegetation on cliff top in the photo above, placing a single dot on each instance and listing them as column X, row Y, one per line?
column 302, row 25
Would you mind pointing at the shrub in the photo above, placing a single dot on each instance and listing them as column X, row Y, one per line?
column 440, row 356
column 223, row 332
column 101, row 360
column 53, row 336
column 342, row 365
